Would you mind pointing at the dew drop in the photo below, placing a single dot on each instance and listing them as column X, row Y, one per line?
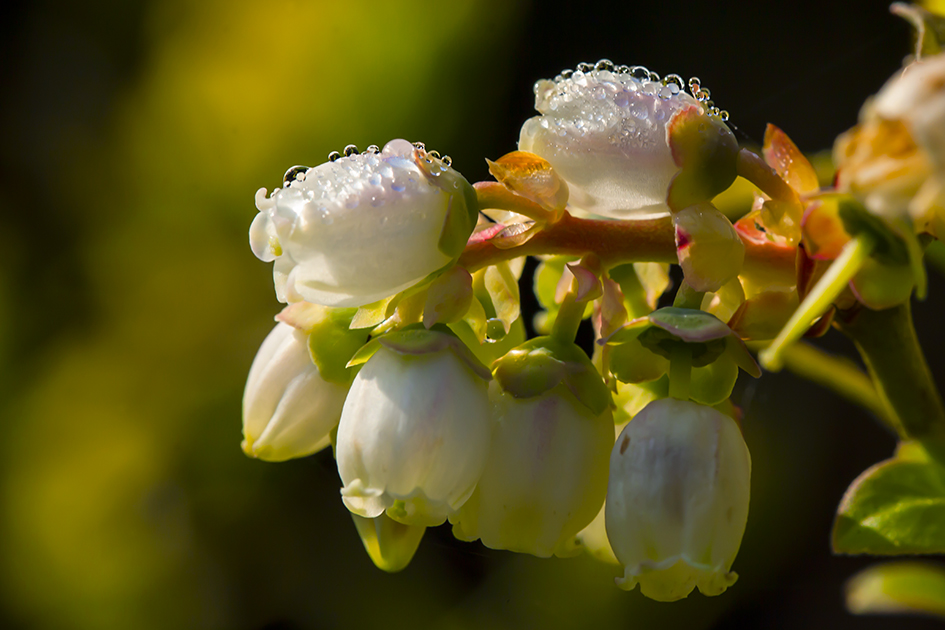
column 447, row 160
column 714, row 111
column 703, row 94
column 566, row 74
column 296, row 173
column 375, row 179
column 420, row 145
column 373, row 149
column 584, row 67
column 654, row 77
column 351, row 150
column 398, row 187
column 723, row 114
column 639, row 73
column 673, row 79
column 623, row 69
column 334, row 155
column 604, row 64
column 434, row 154
column 621, row 99
column 665, row 92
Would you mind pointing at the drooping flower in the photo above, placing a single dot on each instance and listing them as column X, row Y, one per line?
column 414, row 431
column 362, row 227
column 288, row 408
column 609, row 133
column 677, row 500
column 545, row 477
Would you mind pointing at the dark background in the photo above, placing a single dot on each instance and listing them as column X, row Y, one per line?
column 134, row 135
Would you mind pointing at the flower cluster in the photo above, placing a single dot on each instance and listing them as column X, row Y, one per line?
column 402, row 342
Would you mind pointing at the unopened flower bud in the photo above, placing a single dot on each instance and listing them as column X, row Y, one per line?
column 608, row 135
column 414, row 432
column 363, row 227
column 677, row 500
column 288, row 408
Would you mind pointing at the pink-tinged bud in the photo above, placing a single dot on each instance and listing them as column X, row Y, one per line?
column 677, row 501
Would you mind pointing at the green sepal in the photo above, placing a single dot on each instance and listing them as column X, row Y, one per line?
column 390, row 545
column 461, row 215
column 417, row 340
column 332, row 344
column 631, row 362
column 713, row 383
column 898, row 587
column 895, row 507
column 370, row 315
column 707, row 336
column 543, row 363
column 706, row 152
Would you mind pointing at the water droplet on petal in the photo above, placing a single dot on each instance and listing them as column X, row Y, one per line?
column 373, row 149
column 420, row 146
column 723, row 115
column 623, row 69
column 566, row 73
column 584, row 67
column 654, row 77
column 334, row 155
column 604, row 64
column 351, row 150
column 447, row 160
column 434, row 154
column 673, row 79
column 293, row 174
column 640, row 73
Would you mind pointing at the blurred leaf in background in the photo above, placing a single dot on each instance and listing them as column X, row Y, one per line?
column 126, row 500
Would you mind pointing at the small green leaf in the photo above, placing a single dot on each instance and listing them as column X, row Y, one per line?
column 332, row 344
column 895, row 507
column 898, row 587
column 371, row 315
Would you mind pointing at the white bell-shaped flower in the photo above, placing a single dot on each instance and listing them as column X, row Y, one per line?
column 363, row 227
column 288, row 408
column 414, row 432
column 607, row 133
column 546, row 475
column 677, row 499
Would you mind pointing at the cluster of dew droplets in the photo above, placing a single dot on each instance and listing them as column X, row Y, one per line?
column 638, row 78
column 351, row 179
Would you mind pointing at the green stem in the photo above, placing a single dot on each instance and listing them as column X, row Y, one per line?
column 890, row 349
column 820, row 297
column 680, row 371
column 838, row 374
column 753, row 167
column 569, row 318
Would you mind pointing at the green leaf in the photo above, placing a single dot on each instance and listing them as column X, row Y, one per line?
column 895, row 507
column 898, row 587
